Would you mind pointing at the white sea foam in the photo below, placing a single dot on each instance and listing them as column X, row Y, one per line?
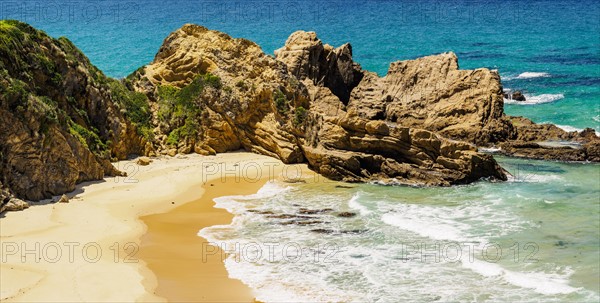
column 569, row 128
column 473, row 221
column 533, row 177
column 597, row 118
column 231, row 204
column 425, row 227
column 539, row 99
column 490, row 149
column 370, row 265
column 354, row 203
column 431, row 224
column 270, row 285
column 542, row 283
column 527, row 75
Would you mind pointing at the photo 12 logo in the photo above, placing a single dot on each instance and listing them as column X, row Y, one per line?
column 523, row 172
column 254, row 252
column 71, row 252
column 123, row 12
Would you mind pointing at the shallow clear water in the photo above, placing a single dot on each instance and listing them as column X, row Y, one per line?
column 535, row 238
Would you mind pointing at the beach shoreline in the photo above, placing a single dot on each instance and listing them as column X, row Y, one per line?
column 89, row 249
column 188, row 268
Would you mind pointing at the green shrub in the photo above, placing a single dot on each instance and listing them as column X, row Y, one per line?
column 88, row 138
column 212, row 80
column 241, row 85
column 281, row 103
column 16, row 94
column 173, row 138
column 300, row 116
column 137, row 108
column 179, row 107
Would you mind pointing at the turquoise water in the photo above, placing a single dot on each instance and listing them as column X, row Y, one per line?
column 535, row 238
column 549, row 213
column 557, row 38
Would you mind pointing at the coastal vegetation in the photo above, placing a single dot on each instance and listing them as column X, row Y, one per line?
column 180, row 108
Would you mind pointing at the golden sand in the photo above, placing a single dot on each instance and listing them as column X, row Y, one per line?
column 98, row 232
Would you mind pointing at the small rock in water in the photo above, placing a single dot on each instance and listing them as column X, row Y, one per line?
column 305, row 211
column 294, row 181
column 346, row 215
column 288, row 216
column 300, row 223
column 323, row 231
column 516, row 96
column 353, row 231
column 344, row 186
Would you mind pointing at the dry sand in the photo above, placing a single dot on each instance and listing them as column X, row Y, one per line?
column 87, row 250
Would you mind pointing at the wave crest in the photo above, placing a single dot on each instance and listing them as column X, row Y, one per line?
column 539, row 99
column 527, row 75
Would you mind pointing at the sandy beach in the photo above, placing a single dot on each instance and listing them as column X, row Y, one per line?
column 131, row 239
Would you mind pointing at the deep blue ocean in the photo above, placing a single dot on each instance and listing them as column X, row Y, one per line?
column 549, row 212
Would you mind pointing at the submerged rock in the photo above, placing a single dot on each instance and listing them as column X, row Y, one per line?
column 516, row 96
column 301, row 223
column 304, row 211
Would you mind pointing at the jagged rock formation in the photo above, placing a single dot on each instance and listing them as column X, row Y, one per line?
column 549, row 142
column 307, row 58
column 429, row 93
column 60, row 120
column 233, row 95
column 295, row 111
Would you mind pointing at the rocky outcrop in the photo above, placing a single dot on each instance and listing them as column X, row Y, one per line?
column 430, row 93
column 549, row 142
column 231, row 94
column 308, row 58
column 427, row 93
column 61, row 119
column 298, row 108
